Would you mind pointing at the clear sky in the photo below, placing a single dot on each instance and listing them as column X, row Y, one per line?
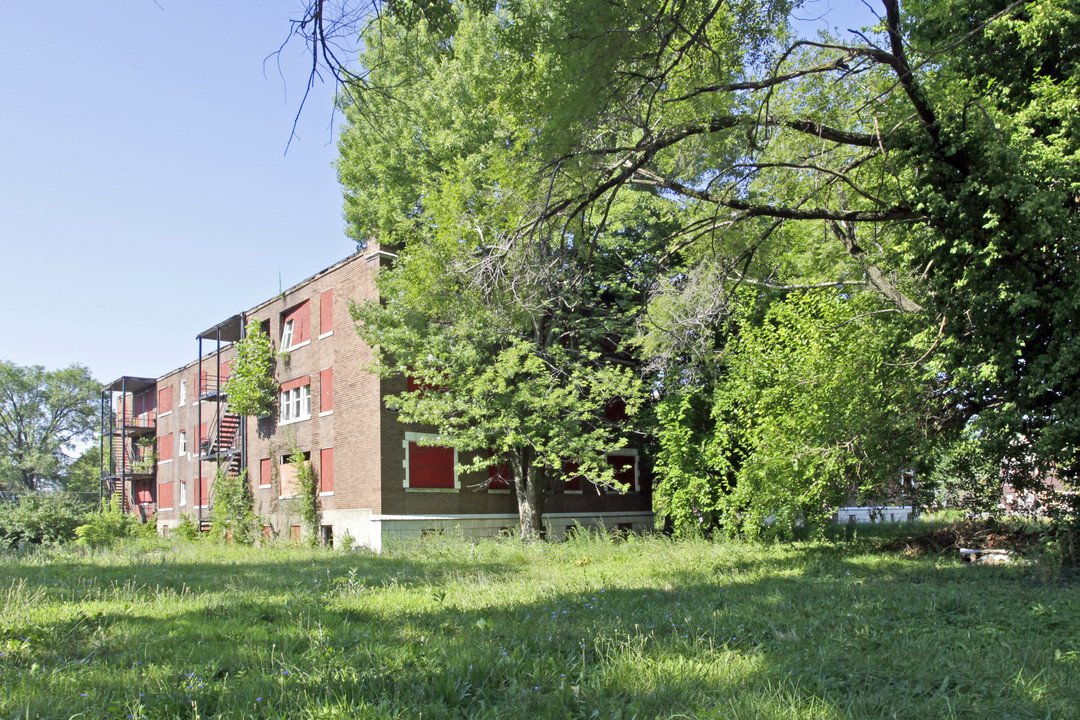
column 145, row 191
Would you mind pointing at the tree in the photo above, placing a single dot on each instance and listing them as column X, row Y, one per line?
column 250, row 388
column 84, row 475
column 936, row 151
column 816, row 402
column 42, row 413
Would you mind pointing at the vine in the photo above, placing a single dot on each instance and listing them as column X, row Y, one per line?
column 308, row 484
column 250, row 389
column 235, row 520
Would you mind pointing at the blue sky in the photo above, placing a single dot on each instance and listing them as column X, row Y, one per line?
column 145, row 191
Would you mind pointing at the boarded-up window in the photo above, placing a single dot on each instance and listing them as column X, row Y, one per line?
column 165, row 399
column 326, row 390
column 266, row 472
column 573, row 477
column 165, row 447
column 143, row 491
column 430, row 466
column 326, row 470
column 287, row 472
column 499, row 476
column 165, row 495
column 223, row 371
column 326, row 311
column 203, row 499
column 294, row 532
column 625, row 470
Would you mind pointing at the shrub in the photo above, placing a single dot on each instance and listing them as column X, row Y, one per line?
column 110, row 525
column 41, row 518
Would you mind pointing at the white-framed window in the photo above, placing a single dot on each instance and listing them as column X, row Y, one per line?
column 295, row 404
column 429, row 467
column 286, row 335
column 183, row 493
column 182, row 449
column 183, row 392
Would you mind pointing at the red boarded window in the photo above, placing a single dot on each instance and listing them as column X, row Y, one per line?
column 625, row 467
column 431, row 466
column 165, row 495
column 165, row 449
column 499, row 476
column 326, row 389
column 294, row 532
column 143, row 492
column 326, row 470
column 266, row 472
column 572, row 477
column 223, row 370
column 296, row 325
column 267, row 531
column 202, row 439
column 165, row 399
column 326, row 311
column 203, row 499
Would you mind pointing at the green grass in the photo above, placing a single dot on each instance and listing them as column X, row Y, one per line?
column 586, row 629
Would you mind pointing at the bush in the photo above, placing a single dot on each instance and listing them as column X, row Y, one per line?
column 109, row 526
column 40, row 518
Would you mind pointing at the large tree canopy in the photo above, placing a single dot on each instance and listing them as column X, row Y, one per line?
column 42, row 414
column 930, row 160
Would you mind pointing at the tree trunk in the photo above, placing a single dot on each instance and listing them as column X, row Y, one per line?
column 530, row 487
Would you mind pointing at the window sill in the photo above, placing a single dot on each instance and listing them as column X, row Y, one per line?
column 287, row 497
column 324, row 414
column 328, row 493
column 165, row 414
column 499, row 491
column 326, row 334
column 265, row 487
column 294, row 420
column 296, row 347
column 431, row 490
column 164, row 462
column 164, row 509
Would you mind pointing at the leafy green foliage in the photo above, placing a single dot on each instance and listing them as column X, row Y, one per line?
column 818, row 403
column 308, row 506
column 36, row 518
column 250, row 387
column 234, row 519
column 111, row 525
column 42, row 413
column 84, row 475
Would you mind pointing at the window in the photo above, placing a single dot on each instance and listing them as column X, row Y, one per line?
column 287, row 472
column 266, row 473
column 165, row 448
column 183, row 494
column 286, row 334
column 295, row 404
column 296, row 326
column 203, row 500
column 183, row 392
column 625, row 466
column 326, row 391
column 326, row 313
column 165, row 400
column 182, row 450
column 326, row 471
column 499, row 476
column 430, row 467
column 165, row 496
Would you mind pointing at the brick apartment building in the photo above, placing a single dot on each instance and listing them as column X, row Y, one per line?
column 163, row 438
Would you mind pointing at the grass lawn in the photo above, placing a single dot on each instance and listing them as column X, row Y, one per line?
column 586, row 629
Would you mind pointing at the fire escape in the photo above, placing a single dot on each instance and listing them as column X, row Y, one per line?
column 222, row 434
column 128, row 444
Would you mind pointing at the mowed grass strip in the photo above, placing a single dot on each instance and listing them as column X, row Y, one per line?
column 591, row 628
